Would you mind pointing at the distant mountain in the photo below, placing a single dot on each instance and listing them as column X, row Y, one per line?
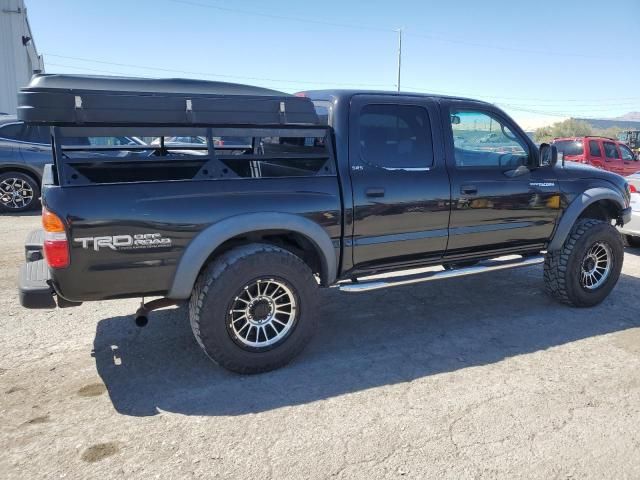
column 632, row 116
column 629, row 120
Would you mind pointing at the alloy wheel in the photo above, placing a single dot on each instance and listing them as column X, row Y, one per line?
column 262, row 313
column 15, row 193
column 596, row 266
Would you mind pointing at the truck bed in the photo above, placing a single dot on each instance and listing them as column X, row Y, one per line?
column 177, row 211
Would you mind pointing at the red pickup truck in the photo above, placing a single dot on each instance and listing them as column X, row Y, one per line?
column 601, row 152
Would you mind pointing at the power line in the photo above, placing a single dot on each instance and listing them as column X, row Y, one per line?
column 399, row 56
column 547, row 113
column 439, row 38
column 544, row 114
column 481, row 95
column 284, row 17
column 216, row 75
column 554, row 103
column 85, row 69
column 510, row 49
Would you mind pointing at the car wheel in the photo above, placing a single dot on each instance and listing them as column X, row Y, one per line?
column 632, row 241
column 587, row 267
column 253, row 309
column 18, row 192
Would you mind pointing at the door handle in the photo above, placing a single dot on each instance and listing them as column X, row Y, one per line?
column 374, row 192
column 468, row 189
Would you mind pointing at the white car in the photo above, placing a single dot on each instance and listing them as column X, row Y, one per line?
column 631, row 230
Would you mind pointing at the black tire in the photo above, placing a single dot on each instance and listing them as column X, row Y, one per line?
column 563, row 268
column 10, row 204
column 221, row 284
column 632, row 241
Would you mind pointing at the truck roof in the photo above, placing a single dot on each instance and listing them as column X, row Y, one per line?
column 347, row 93
column 70, row 100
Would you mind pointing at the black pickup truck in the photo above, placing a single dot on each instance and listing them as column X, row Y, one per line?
column 351, row 189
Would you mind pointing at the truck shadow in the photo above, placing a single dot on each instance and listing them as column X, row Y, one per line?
column 29, row 213
column 364, row 341
column 632, row 251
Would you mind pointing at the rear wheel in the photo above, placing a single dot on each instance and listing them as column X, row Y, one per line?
column 587, row 267
column 253, row 309
column 18, row 192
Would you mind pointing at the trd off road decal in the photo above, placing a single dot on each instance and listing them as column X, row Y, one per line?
column 125, row 242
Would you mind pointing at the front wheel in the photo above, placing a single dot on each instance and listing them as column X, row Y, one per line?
column 587, row 267
column 253, row 309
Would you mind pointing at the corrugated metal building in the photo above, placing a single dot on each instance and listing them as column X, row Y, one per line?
column 19, row 58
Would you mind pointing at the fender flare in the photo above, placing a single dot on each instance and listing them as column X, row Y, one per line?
column 576, row 207
column 203, row 245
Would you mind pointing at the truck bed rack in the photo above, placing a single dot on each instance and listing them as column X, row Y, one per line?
column 275, row 134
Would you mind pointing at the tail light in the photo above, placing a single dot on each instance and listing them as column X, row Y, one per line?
column 632, row 189
column 56, row 245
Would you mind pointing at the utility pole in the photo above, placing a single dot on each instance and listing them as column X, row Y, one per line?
column 399, row 55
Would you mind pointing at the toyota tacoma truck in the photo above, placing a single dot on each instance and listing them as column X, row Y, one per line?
column 354, row 190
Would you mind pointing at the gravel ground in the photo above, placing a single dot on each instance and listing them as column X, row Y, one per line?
column 480, row 377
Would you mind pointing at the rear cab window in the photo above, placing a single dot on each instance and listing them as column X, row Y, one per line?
column 570, row 147
column 324, row 110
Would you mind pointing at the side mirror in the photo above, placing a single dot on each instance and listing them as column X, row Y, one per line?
column 455, row 120
column 548, row 155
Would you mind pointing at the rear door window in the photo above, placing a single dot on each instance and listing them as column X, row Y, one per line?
column 611, row 151
column 594, row 148
column 395, row 136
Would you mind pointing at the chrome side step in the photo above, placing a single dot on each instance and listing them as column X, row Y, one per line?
column 499, row 263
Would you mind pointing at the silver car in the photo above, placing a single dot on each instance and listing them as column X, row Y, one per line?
column 631, row 230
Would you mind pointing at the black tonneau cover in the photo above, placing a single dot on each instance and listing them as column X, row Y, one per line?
column 71, row 100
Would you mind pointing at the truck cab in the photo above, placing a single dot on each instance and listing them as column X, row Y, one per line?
column 426, row 185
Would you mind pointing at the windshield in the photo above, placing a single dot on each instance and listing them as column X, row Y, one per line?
column 570, row 147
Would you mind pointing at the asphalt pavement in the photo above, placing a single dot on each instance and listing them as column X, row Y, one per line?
column 478, row 377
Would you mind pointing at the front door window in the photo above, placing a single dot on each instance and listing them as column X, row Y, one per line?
column 482, row 140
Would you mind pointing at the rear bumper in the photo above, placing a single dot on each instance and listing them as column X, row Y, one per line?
column 34, row 286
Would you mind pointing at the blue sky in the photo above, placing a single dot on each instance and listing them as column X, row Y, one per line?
column 541, row 61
